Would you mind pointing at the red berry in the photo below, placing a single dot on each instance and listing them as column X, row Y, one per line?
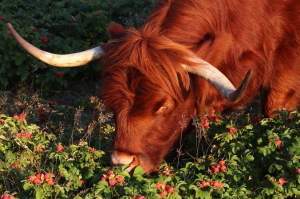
column 213, row 117
column 282, row 181
column 50, row 181
column 112, row 179
column 59, row 74
column 222, row 162
column 297, row 170
column 37, row 179
column 204, row 123
column 223, row 168
column 278, row 143
column 44, row 39
column 49, row 178
column 109, row 174
column 82, row 182
column 215, row 168
column 160, row 186
column 139, row 197
column 60, row 148
column 40, row 177
column 31, row 178
column 1, row 18
column 120, row 179
column 164, row 189
column 24, row 135
column 203, row 184
column 112, row 182
column 92, row 150
column 169, row 189
column 6, row 196
column 217, row 184
column 232, row 130
column 20, row 117
column 15, row 165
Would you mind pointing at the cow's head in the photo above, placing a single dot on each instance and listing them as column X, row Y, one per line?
column 147, row 85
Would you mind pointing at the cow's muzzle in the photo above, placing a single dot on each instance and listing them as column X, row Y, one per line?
column 122, row 158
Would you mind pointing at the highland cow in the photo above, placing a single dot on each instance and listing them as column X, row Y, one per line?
column 191, row 57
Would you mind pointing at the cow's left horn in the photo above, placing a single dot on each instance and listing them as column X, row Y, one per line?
column 218, row 79
column 68, row 60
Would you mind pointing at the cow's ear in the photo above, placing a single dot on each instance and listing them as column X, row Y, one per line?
column 115, row 30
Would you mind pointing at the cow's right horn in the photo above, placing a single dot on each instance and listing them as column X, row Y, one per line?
column 68, row 60
column 218, row 79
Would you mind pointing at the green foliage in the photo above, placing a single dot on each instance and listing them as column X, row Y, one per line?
column 27, row 152
column 245, row 160
column 59, row 27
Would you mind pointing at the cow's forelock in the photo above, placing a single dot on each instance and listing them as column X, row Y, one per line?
column 156, row 57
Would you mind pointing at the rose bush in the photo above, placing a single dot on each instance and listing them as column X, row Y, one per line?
column 249, row 163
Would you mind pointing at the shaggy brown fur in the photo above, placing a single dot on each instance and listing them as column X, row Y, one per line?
column 154, row 99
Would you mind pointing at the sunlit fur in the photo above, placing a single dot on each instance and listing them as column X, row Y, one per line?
column 143, row 73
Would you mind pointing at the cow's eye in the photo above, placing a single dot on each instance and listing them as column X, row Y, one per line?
column 163, row 107
column 162, row 110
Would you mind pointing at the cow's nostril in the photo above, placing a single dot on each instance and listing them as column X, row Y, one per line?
column 121, row 158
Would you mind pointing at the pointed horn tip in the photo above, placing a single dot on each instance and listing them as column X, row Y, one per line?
column 9, row 26
column 239, row 93
column 11, row 29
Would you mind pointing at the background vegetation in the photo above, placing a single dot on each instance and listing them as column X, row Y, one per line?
column 55, row 135
column 62, row 27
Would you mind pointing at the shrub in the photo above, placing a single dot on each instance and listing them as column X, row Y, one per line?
column 242, row 158
column 33, row 163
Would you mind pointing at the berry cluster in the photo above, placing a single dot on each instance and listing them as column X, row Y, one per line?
column 164, row 189
column 112, row 179
column 220, row 167
column 215, row 184
column 40, row 178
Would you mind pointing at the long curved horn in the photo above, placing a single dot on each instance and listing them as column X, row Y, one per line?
column 218, row 79
column 68, row 60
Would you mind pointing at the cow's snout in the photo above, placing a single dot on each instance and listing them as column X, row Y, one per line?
column 121, row 158
column 132, row 161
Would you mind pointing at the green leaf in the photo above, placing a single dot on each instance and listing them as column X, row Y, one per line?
column 203, row 194
column 27, row 186
column 138, row 171
column 249, row 157
column 39, row 194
